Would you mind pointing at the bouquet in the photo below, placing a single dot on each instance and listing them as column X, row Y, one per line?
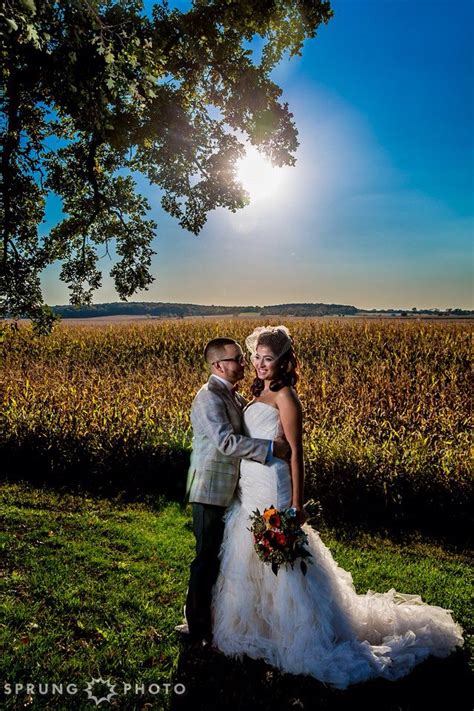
column 279, row 539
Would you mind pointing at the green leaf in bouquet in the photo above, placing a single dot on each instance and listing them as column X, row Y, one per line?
column 314, row 509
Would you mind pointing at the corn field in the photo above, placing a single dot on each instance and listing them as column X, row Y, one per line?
column 387, row 411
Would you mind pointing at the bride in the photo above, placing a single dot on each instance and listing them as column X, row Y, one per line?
column 314, row 624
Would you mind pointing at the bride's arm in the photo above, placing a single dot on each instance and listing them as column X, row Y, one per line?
column 291, row 415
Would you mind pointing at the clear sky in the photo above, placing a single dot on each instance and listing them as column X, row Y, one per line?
column 378, row 211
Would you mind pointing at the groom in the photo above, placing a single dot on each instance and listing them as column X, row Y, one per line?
column 218, row 447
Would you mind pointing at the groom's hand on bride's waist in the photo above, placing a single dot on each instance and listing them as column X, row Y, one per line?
column 281, row 448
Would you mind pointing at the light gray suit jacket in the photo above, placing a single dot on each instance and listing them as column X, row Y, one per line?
column 219, row 445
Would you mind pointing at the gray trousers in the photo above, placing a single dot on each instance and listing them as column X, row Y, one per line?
column 208, row 528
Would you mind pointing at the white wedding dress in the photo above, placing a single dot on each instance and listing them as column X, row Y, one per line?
column 314, row 624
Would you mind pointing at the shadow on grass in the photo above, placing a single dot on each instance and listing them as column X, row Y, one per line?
column 400, row 534
column 153, row 481
column 132, row 470
column 119, row 492
column 214, row 682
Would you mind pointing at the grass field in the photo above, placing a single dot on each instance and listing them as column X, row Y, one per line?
column 92, row 587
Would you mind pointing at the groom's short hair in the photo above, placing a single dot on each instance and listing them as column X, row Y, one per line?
column 215, row 348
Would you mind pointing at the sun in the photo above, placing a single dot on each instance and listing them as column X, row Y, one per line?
column 258, row 176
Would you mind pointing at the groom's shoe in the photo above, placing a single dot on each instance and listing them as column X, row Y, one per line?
column 205, row 644
column 201, row 642
column 182, row 629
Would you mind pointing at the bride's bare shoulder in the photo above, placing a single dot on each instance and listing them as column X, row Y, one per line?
column 287, row 395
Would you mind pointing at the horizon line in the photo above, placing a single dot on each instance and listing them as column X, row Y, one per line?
column 263, row 306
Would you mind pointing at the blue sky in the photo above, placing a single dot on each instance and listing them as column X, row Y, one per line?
column 378, row 211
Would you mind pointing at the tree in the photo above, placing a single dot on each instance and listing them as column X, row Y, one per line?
column 95, row 90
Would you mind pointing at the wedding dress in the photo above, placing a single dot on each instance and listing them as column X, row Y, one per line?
column 314, row 624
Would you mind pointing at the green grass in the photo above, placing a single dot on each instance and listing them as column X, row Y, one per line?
column 92, row 587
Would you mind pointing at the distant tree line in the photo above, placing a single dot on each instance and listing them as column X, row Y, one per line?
column 167, row 310
column 148, row 309
column 309, row 310
column 182, row 310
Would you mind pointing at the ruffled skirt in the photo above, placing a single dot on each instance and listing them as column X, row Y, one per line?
column 316, row 624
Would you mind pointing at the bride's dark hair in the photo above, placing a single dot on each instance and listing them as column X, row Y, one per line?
column 286, row 365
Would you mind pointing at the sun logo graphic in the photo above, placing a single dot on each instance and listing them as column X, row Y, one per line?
column 102, row 682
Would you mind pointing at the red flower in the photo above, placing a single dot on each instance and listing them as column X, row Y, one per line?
column 280, row 539
column 268, row 539
column 275, row 520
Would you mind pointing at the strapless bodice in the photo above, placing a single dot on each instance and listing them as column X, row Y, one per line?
column 263, row 485
column 262, row 421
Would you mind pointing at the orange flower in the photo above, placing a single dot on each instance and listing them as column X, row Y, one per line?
column 268, row 513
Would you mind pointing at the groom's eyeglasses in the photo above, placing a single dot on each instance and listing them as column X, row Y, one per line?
column 240, row 360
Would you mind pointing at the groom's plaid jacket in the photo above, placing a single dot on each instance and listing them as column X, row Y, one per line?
column 218, row 445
